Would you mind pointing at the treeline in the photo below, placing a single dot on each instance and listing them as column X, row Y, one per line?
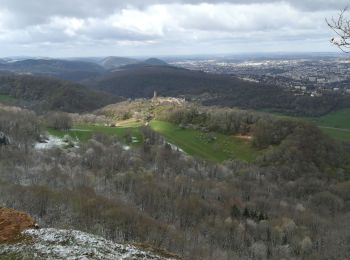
column 273, row 209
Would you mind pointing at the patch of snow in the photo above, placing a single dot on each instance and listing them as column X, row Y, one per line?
column 50, row 142
column 175, row 148
column 53, row 141
column 134, row 140
column 126, row 147
column 49, row 243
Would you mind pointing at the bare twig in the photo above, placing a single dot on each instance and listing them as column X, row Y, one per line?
column 341, row 26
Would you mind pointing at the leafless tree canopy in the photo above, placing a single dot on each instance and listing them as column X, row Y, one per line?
column 341, row 26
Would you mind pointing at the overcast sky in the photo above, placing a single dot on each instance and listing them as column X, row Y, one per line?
column 163, row 27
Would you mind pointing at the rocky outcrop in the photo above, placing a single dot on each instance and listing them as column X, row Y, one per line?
column 20, row 239
column 49, row 243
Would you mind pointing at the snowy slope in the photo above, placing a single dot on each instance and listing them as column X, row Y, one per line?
column 49, row 243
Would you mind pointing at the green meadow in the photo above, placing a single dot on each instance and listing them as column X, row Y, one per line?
column 84, row 132
column 337, row 119
column 6, row 99
column 335, row 124
column 210, row 146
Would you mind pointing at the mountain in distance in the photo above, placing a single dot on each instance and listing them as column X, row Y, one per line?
column 141, row 80
column 63, row 69
column 113, row 62
column 154, row 62
column 72, row 69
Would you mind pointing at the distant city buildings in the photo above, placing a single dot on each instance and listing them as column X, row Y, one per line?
column 311, row 76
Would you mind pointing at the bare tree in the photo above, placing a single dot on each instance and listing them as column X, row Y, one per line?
column 341, row 26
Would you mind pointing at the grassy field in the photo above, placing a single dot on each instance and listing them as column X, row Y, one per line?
column 203, row 145
column 335, row 124
column 209, row 146
column 338, row 134
column 338, row 119
column 6, row 99
column 84, row 132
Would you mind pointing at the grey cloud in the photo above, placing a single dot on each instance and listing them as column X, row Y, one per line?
column 25, row 13
column 31, row 22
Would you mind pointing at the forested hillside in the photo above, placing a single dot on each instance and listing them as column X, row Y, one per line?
column 131, row 78
column 42, row 93
column 64, row 69
column 141, row 80
column 289, row 203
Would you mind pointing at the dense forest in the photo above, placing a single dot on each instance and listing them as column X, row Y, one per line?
column 292, row 202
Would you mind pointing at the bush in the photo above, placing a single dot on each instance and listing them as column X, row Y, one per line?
column 59, row 121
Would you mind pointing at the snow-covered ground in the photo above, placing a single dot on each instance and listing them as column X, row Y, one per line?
column 49, row 243
column 176, row 148
column 50, row 142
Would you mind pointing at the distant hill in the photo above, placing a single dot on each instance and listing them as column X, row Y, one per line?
column 43, row 93
column 155, row 62
column 141, row 80
column 64, row 69
column 116, row 62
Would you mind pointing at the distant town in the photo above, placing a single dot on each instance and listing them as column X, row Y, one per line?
column 304, row 75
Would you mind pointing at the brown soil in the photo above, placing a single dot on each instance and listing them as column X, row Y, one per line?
column 12, row 223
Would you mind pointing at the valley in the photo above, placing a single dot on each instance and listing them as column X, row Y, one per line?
column 183, row 161
column 174, row 130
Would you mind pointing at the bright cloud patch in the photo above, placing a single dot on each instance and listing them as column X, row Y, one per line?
column 164, row 25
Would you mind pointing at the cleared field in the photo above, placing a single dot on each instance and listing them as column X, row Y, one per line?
column 335, row 124
column 84, row 132
column 6, row 98
column 337, row 119
column 209, row 146
column 337, row 133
